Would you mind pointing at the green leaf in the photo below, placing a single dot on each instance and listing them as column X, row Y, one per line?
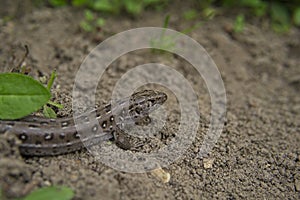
column 279, row 13
column 297, row 16
column 209, row 12
column 79, row 2
column 261, row 10
column 49, row 112
column 57, row 3
column 106, row 6
column 280, row 17
column 151, row 2
column 86, row 26
column 20, row 95
column 100, row 22
column 251, row 3
column 51, row 80
column 166, row 21
column 133, row 7
column 280, row 28
column 51, row 193
column 57, row 105
column 190, row 14
column 239, row 23
column 89, row 16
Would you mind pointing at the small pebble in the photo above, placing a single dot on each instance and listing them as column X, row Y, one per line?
column 208, row 162
column 161, row 175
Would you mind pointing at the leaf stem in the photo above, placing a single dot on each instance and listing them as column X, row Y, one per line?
column 51, row 80
column 55, row 104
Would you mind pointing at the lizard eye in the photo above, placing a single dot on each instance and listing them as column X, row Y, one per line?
column 151, row 103
column 138, row 110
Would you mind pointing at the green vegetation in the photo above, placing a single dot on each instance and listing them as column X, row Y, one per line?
column 282, row 14
column 164, row 42
column 239, row 23
column 132, row 7
column 51, row 193
column 190, row 14
column 167, row 42
column 296, row 17
column 90, row 22
column 209, row 12
column 20, row 95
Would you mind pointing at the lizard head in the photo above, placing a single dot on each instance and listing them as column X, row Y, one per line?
column 144, row 102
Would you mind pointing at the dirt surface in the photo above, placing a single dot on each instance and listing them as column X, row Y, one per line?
column 258, row 153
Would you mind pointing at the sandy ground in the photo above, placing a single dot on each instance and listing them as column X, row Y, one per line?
column 257, row 155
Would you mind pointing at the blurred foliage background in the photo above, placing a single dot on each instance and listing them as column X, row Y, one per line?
column 281, row 14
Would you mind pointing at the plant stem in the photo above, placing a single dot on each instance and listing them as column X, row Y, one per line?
column 51, row 80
